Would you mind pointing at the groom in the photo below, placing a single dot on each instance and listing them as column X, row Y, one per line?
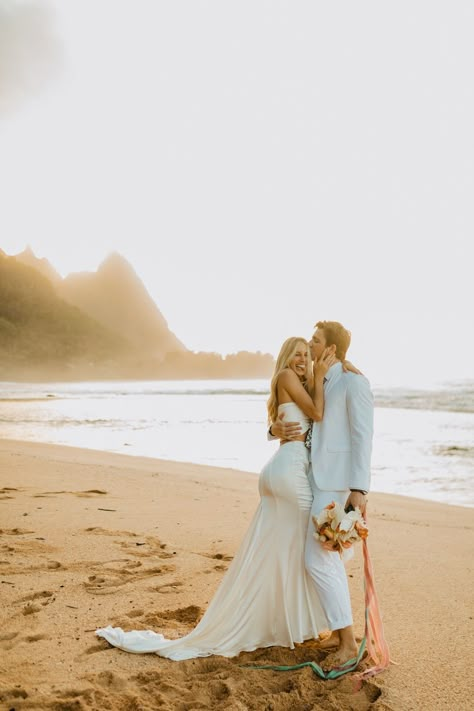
column 341, row 446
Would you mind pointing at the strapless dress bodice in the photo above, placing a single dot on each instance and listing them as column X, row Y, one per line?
column 293, row 413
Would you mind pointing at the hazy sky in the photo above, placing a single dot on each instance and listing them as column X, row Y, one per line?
column 261, row 164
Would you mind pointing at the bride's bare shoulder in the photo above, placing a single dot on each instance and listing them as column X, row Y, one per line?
column 287, row 377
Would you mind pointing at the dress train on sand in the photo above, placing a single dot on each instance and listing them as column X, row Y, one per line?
column 266, row 597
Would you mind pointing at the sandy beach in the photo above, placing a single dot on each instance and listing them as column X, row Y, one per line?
column 91, row 538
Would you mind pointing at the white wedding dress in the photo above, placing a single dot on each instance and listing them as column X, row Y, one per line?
column 266, row 597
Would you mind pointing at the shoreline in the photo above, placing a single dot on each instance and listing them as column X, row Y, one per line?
column 91, row 538
column 175, row 464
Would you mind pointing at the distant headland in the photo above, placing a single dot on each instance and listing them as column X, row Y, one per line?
column 97, row 325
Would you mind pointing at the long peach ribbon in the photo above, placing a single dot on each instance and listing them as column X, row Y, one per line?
column 377, row 646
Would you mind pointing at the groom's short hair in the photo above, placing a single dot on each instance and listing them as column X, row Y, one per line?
column 336, row 335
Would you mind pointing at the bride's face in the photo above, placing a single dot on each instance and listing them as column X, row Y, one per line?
column 299, row 361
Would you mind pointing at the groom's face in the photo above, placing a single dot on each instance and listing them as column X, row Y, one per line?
column 317, row 344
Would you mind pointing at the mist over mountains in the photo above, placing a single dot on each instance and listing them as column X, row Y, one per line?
column 41, row 332
column 96, row 325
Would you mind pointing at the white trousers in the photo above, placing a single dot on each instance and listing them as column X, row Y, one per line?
column 326, row 568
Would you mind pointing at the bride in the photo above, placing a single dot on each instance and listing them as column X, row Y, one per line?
column 266, row 597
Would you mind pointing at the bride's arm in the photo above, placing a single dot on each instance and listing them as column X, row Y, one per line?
column 349, row 367
column 320, row 368
column 318, row 397
column 312, row 407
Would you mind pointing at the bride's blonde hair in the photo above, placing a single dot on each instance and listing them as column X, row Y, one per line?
column 287, row 352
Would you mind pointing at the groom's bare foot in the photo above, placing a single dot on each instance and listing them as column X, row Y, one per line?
column 339, row 657
column 347, row 650
column 344, row 654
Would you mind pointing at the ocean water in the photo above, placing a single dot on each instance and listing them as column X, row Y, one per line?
column 423, row 444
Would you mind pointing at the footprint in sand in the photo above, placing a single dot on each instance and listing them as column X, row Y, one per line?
column 36, row 637
column 148, row 678
column 103, row 585
column 152, row 686
column 102, row 646
column 87, row 494
column 166, row 621
column 372, row 691
column 219, row 691
column 99, row 531
column 28, row 545
column 111, row 575
column 22, row 548
column 138, row 546
column 219, row 568
column 48, row 494
column 116, row 576
column 190, row 614
column 217, row 556
column 53, row 565
column 6, row 492
column 167, row 588
column 8, row 640
column 31, row 609
column 35, row 601
column 109, row 680
column 185, row 615
column 147, row 547
column 13, row 694
column 45, row 596
column 14, row 531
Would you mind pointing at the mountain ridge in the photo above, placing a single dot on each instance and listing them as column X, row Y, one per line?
column 116, row 297
column 97, row 326
column 38, row 329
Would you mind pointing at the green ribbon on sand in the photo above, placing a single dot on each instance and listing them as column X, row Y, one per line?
column 349, row 666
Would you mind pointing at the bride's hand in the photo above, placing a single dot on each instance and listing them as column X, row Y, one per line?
column 348, row 367
column 321, row 366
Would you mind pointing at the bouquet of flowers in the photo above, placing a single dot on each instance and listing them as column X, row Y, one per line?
column 337, row 529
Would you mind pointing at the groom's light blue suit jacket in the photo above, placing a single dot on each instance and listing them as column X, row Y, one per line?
column 341, row 445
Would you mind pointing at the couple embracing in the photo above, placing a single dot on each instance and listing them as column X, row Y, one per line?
column 283, row 587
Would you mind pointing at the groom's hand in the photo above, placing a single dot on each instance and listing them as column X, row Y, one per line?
column 356, row 498
column 286, row 430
